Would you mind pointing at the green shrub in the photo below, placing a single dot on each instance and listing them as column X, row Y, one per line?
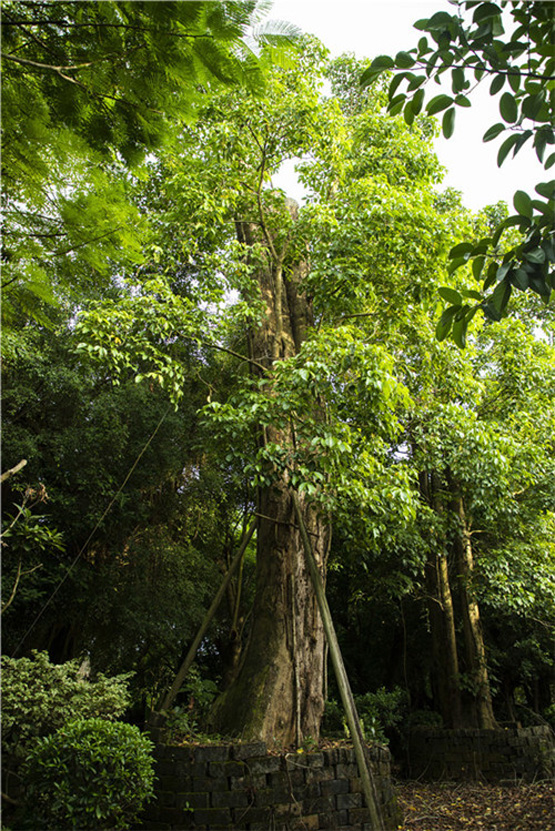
column 90, row 774
column 380, row 714
column 424, row 718
column 38, row 697
column 549, row 716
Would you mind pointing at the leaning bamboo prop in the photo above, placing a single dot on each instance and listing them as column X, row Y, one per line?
column 349, row 705
column 157, row 715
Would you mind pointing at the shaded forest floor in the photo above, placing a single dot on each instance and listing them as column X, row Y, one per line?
column 476, row 806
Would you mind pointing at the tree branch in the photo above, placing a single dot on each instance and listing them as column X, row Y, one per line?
column 19, row 575
column 19, row 466
column 68, row 24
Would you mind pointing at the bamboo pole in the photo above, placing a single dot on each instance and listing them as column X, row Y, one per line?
column 349, row 705
column 157, row 715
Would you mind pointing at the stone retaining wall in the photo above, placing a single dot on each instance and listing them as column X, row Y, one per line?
column 508, row 754
column 245, row 788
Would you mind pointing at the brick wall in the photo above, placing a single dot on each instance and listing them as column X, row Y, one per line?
column 243, row 787
column 494, row 755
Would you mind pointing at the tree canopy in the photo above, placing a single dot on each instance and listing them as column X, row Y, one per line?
column 87, row 90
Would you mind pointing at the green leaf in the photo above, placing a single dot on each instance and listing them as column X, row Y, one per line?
column 423, row 46
column 505, row 148
column 396, row 104
column 457, row 80
column 497, row 303
column 489, row 279
column 404, row 60
column 485, row 11
column 439, row 103
column 470, row 293
column 369, row 76
column 416, row 81
column 532, row 104
column 503, row 270
column 451, row 295
column 477, row 266
column 539, row 285
column 41, row 290
column 550, row 161
column 497, row 84
column 463, row 101
column 448, row 123
column 546, row 189
column 545, row 208
column 456, row 263
column 444, row 323
column 482, row 247
column 459, row 333
column 408, row 113
column 522, row 139
column 396, row 81
column 522, row 203
column 519, row 279
column 461, row 249
column 417, row 101
column 514, row 79
column 537, row 256
column 517, row 219
column 508, row 108
column 490, row 275
column 382, row 62
column 540, row 143
column 494, row 131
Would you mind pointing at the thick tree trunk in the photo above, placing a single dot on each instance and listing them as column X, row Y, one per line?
column 477, row 700
column 278, row 694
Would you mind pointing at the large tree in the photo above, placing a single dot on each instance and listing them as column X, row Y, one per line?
column 296, row 380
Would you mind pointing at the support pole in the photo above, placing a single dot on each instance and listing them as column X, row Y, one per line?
column 157, row 715
column 349, row 705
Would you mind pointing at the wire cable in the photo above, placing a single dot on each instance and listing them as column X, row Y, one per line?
column 91, row 535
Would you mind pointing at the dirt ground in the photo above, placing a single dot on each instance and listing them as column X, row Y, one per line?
column 476, row 806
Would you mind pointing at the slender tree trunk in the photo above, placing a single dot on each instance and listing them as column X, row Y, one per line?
column 444, row 643
column 442, row 623
column 278, row 694
column 478, row 698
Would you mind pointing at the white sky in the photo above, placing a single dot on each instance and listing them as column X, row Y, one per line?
column 383, row 27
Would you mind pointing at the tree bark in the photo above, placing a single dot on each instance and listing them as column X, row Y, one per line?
column 478, row 704
column 444, row 642
column 278, row 694
column 442, row 622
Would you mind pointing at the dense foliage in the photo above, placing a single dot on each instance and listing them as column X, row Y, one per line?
column 39, row 697
column 152, row 428
column 472, row 46
column 87, row 774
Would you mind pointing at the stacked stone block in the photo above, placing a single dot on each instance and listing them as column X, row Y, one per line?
column 494, row 755
column 243, row 787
